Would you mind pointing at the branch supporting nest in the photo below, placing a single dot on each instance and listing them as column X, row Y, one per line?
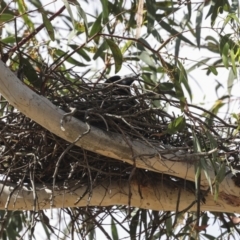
column 127, row 131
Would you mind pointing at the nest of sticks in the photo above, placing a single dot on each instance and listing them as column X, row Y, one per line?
column 137, row 111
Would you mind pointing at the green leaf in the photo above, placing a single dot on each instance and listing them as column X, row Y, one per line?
column 22, row 8
column 174, row 73
column 217, row 7
column 114, row 230
column 117, row 55
column 96, row 27
column 189, row 7
column 31, row 73
column 196, row 143
column 10, row 39
column 66, row 3
column 177, row 48
column 217, row 105
column 221, row 173
column 133, row 225
column 5, row 17
column 48, row 26
column 81, row 52
column 183, row 78
column 100, row 50
column 211, row 38
column 230, row 17
column 166, row 86
column 169, row 226
column 214, row 64
column 196, row 65
column 213, row 145
column 177, row 125
column 156, row 35
column 126, row 46
column 199, row 24
column 224, row 47
column 71, row 60
column 213, row 70
column 141, row 43
column 84, row 17
column 175, row 33
column 151, row 12
column 105, row 10
column 146, row 58
column 36, row 3
column 230, row 81
column 233, row 59
column 144, row 218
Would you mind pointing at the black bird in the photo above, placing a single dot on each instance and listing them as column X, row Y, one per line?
column 124, row 81
column 120, row 91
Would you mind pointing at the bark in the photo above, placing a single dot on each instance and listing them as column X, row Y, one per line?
column 153, row 158
column 157, row 197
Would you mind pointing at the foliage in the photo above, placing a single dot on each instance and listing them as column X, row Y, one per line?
column 74, row 48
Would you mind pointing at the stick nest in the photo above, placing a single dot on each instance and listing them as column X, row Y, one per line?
column 136, row 112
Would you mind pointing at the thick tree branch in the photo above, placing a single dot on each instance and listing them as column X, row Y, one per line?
column 113, row 145
column 157, row 197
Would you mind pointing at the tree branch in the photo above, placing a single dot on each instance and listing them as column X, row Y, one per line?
column 109, row 144
column 158, row 197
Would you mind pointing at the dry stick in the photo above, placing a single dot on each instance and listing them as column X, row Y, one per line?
column 59, row 160
column 38, row 29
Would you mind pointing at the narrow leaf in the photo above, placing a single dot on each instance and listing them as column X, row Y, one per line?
column 189, row 8
column 142, row 43
column 213, row 70
column 84, row 17
column 105, row 10
column 117, row 55
column 36, row 3
column 5, row 17
column 10, row 39
column 66, row 3
column 171, row 30
column 96, row 27
column 31, row 73
column 199, row 24
column 133, row 225
column 169, row 226
column 146, row 58
column 81, row 52
column 176, row 125
column 183, row 78
column 126, row 46
column 114, row 230
column 177, row 48
column 48, row 26
column 233, row 61
column 230, row 81
column 151, row 12
column 100, row 50
column 22, row 8
column 71, row 60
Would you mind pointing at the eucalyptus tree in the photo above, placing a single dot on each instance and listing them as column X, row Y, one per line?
column 100, row 121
